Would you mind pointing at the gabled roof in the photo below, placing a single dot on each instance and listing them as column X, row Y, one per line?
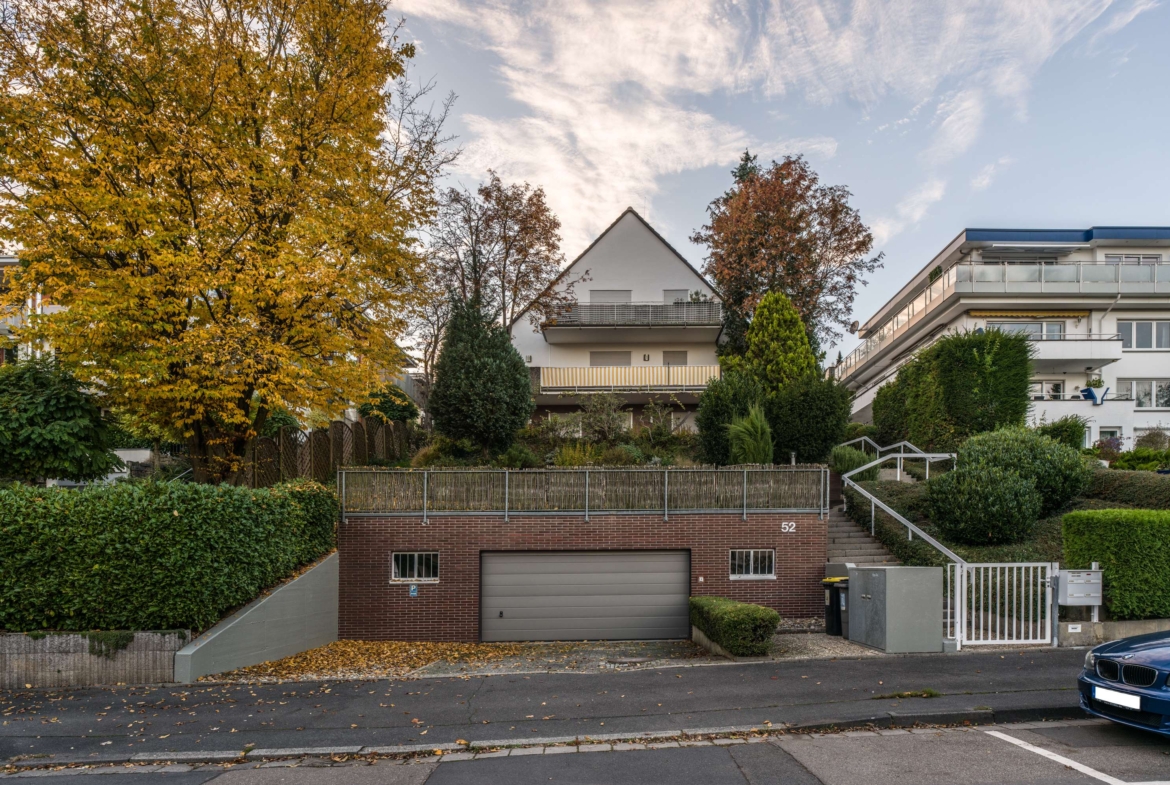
column 589, row 248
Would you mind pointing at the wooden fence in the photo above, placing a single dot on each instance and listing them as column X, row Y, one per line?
column 583, row 491
column 317, row 454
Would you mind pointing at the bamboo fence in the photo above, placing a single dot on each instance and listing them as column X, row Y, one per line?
column 802, row 488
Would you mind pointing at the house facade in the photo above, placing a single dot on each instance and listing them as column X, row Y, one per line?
column 1095, row 301
column 644, row 325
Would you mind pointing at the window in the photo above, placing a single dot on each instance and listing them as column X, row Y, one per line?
column 1144, row 335
column 674, row 358
column 416, row 567
column 1109, row 433
column 606, row 359
column 1117, row 258
column 676, row 296
column 1036, row 331
column 609, row 295
column 1146, row 393
column 1046, row 391
column 753, row 564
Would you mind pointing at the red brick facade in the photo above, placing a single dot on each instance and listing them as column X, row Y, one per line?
column 374, row 608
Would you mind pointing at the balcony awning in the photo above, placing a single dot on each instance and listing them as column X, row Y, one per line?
column 1029, row 314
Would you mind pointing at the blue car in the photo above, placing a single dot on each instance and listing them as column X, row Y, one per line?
column 1126, row 681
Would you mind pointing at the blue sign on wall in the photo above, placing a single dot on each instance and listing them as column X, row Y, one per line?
column 414, row 590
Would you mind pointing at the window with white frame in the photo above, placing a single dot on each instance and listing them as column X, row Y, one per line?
column 1046, row 390
column 1131, row 258
column 753, row 564
column 1144, row 335
column 1146, row 393
column 416, row 567
column 1036, row 331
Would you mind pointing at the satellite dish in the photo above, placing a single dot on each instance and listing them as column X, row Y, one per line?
column 853, row 327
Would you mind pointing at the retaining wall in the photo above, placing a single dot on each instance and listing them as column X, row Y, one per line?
column 300, row 615
column 85, row 659
column 1094, row 633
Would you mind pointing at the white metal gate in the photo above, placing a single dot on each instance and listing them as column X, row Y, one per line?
column 988, row 604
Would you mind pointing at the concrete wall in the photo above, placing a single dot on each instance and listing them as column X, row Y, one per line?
column 84, row 659
column 1095, row 633
column 300, row 615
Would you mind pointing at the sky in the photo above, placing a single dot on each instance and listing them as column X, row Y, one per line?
column 938, row 115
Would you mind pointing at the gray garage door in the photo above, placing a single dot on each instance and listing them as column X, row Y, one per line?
column 585, row 595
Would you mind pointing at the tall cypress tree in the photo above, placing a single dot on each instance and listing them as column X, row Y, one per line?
column 482, row 390
column 777, row 343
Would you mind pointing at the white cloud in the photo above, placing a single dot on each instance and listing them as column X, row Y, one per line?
column 1123, row 17
column 611, row 93
column 911, row 210
column 987, row 174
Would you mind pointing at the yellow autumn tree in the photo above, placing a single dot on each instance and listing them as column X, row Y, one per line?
column 223, row 195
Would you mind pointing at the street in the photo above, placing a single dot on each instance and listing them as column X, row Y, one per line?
column 1053, row 753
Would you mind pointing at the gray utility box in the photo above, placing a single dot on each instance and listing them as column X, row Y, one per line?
column 896, row 609
column 1080, row 587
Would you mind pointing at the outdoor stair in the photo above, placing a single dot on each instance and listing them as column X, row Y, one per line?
column 849, row 542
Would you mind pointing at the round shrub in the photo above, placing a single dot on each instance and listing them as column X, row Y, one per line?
column 983, row 505
column 1059, row 471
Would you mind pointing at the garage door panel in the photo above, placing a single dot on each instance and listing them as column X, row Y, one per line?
column 596, row 595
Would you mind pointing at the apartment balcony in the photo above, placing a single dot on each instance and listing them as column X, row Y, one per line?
column 641, row 378
column 1033, row 282
column 1071, row 353
column 636, row 322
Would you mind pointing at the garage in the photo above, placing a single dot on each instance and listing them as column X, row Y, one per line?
column 584, row 595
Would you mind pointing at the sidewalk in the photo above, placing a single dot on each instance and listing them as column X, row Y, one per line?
column 275, row 720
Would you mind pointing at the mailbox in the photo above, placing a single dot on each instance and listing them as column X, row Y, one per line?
column 1080, row 587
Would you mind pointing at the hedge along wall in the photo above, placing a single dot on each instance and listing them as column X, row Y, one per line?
column 1133, row 547
column 151, row 556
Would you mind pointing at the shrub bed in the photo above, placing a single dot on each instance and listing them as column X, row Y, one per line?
column 151, row 556
column 741, row 628
column 978, row 504
column 1133, row 548
column 1059, row 472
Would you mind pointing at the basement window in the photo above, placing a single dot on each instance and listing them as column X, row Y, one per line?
column 753, row 564
column 416, row 567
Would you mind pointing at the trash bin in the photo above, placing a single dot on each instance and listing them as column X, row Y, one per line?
column 843, row 606
column 833, row 605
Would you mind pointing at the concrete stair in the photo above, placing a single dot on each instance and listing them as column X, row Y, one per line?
column 849, row 542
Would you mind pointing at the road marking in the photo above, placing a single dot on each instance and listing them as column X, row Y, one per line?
column 1072, row 764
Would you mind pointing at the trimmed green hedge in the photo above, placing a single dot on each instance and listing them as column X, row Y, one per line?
column 151, row 556
column 977, row 504
column 1140, row 489
column 741, row 628
column 1133, row 548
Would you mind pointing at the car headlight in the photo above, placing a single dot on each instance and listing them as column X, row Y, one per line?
column 1090, row 661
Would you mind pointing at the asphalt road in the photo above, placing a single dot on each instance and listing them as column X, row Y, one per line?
column 1060, row 753
column 113, row 724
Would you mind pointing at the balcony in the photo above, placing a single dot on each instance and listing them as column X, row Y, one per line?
column 1035, row 280
column 636, row 322
column 1075, row 353
column 625, row 378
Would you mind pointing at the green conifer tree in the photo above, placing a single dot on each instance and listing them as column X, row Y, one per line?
column 482, row 390
column 778, row 351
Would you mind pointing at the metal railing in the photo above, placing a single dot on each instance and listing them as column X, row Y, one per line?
column 659, row 314
column 1009, row 277
column 628, row 377
column 789, row 489
column 876, row 503
column 1002, row 603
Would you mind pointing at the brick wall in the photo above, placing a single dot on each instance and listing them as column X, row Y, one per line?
column 373, row 608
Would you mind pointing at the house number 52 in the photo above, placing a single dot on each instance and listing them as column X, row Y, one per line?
column 788, row 527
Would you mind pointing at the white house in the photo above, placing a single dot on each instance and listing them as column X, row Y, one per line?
column 1096, row 301
column 645, row 325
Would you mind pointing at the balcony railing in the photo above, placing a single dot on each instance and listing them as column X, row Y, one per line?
column 1009, row 278
column 682, row 314
column 628, row 378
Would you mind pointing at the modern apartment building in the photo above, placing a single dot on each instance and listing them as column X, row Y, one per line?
column 1095, row 301
column 645, row 325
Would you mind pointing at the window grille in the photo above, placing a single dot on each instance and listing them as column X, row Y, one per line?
column 753, row 563
column 416, row 566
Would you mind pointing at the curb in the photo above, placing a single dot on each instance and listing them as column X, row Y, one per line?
column 672, row 737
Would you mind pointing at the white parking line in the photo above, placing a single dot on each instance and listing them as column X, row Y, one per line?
column 1072, row 764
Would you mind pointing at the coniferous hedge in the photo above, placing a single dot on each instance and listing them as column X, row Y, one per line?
column 151, row 556
column 962, row 385
column 1133, row 549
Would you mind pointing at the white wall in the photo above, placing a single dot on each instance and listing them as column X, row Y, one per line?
column 577, row 354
